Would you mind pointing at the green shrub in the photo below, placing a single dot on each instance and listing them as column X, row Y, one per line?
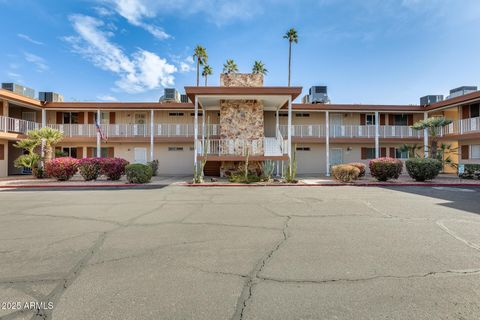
column 154, row 165
column 345, row 172
column 89, row 168
column 422, row 169
column 138, row 173
column 386, row 168
column 239, row 177
column 360, row 166
column 471, row 171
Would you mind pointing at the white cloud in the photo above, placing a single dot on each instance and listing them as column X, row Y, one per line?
column 142, row 71
column 106, row 97
column 187, row 64
column 25, row 37
column 39, row 62
column 136, row 11
column 216, row 11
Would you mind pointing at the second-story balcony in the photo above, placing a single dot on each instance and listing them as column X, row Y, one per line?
column 463, row 126
column 14, row 125
column 134, row 130
column 351, row 131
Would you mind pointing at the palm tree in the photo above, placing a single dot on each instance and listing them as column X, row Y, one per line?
column 200, row 54
column 207, row 71
column 230, row 67
column 259, row 68
column 50, row 138
column 433, row 125
column 292, row 37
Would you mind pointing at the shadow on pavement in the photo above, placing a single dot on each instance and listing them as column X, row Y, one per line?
column 461, row 198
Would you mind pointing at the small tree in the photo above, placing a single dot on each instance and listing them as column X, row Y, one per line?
column 411, row 149
column 31, row 158
column 259, row 68
column 50, row 138
column 230, row 67
column 433, row 125
column 444, row 155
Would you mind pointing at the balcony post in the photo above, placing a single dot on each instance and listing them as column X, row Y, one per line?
column 195, row 133
column 327, row 142
column 99, row 147
column 290, row 134
column 152, row 114
column 277, row 123
column 44, row 118
column 377, row 135
column 425, row 137
column 203, row 127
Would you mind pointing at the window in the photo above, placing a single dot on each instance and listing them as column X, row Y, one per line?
column 104, row 117
column 400, row 120
column 175, row 148
column 474, row 111
column 370, row 153
column 282, row 115
column 193, row 114
column 302, row 115
column 401, row 154
column 303, row 148
column 70, row 118
column 70, row 152
column 370, row 119
column 475, row 149
column 175, row 114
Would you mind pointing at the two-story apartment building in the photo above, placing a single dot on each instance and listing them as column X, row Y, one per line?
column 241, row 117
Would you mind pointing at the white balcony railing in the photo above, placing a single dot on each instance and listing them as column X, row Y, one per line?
column 230, row 147
column 351, row 131
column 463, row 126
column 13, row 125
column 133, row 130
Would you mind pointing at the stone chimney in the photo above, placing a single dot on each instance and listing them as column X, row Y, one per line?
column 241, row 80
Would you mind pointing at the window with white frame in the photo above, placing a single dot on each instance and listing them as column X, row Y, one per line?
column 303, row 148
column 401, row 154
column 175, row 148
column 370, row 119
column 175, row 114
column 301, row 115
column 104, row 117
column 70, row 152
column 475, row 150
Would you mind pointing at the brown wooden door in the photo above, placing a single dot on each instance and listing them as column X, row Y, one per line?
column 212, row 169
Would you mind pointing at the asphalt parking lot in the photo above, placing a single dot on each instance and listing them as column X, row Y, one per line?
column 241, row 253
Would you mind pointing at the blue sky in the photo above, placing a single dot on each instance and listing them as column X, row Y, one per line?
column 366, row 51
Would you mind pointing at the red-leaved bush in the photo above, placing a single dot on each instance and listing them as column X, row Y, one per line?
column 113, row 168
column 90, row 168
column 61, row 169
column 384, row 169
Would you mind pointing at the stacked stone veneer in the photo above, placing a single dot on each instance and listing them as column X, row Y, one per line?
column 242, row 120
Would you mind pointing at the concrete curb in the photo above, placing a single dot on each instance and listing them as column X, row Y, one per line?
column 90, row 186
column 338, row 185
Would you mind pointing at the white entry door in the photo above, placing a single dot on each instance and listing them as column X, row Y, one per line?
column 336, row 156
column 140, row 155
column 140, row 123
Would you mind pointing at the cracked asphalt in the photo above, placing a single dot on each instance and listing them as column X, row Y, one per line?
column 242, row 253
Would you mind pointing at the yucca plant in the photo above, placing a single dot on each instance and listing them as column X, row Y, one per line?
column 433, row 125
column 291, row 176
column 268, row 169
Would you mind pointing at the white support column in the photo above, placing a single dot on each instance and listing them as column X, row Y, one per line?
column 99, row 140
column 425, row 137
column 203, row 127
column 290, row 133
column 152, row 115
column 327, row 142
column 277, row 123
column 377, row 135
column 44, row 124
column 195, row 133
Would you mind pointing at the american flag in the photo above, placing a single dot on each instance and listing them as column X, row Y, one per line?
column 99, row 130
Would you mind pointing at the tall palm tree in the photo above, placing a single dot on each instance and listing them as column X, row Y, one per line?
column 433, row 125
column 259, row 68
column 292, row 37
column 207, row 71
column 230, row 66
column 200, row 54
